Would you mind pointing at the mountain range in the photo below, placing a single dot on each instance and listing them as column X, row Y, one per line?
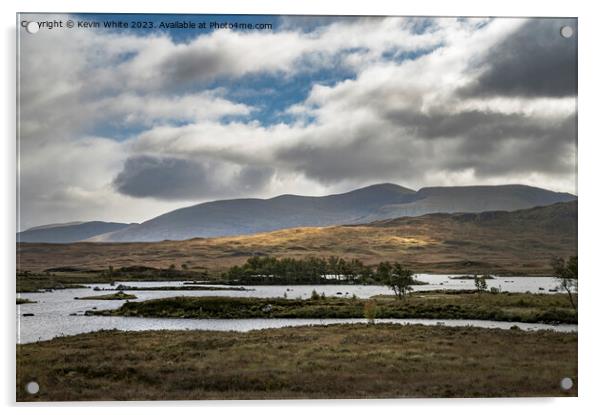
column 249, row 216
column 520, row 242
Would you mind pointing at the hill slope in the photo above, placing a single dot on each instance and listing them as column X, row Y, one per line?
column 474, row 199
column 248, row 216
column 68, row 232
column 520, row 242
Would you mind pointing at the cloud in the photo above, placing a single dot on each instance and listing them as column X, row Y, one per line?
column 175, row 178
column 411, row 121
column 230, row 54
column 533, row 61
column 392, row 124
column 152, row 109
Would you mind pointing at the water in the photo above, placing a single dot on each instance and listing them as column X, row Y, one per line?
column 541, row 285
column 53, row 310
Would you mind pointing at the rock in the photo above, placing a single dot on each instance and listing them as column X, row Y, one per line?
column 267, row 308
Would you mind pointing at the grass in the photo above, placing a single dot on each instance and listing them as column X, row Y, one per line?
column 528, row 308
column 516, row 243
column 35, row 283
column 341, row 361
column 114, row 296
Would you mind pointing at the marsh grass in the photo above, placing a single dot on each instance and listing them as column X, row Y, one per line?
column 340, row 361
column 527, row 308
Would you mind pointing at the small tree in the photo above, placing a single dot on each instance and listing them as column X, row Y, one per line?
column 398, row 278
column 480, row 283
column 566, row 274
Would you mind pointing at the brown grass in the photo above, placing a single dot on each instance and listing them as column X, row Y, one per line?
column 343, row 361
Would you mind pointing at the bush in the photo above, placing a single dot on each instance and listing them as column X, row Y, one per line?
column 370, row 311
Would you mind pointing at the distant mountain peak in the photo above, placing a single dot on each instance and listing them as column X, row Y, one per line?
column 247, row 216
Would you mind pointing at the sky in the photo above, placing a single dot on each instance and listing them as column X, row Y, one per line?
column 126, row 124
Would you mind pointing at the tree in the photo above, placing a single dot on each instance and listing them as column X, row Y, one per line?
column 396, row 277
column 383, row 271
column 566, row 274
column 401, row 280
column 480, row 283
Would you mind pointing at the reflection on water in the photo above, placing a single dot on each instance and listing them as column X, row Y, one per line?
column 57, row 313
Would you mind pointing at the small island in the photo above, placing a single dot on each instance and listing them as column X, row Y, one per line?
column 181, row 288
column 471, row 305
column 115, row 296
column 471, row 277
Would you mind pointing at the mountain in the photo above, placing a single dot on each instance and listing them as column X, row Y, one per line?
column 54, row 225
column 68, row 232
column 500, row 242
column 377, row 202
column 473, row 199
column 246, row 216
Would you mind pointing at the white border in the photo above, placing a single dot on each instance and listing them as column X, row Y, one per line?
column 590, row 176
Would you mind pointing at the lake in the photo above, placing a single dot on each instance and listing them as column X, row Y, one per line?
column 53, row 310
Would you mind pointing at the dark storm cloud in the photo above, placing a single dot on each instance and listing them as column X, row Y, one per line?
column 411, row 143
column 365, row 156
column 534, row 61
column 536, row 147
column 171, row 178
column 185, row 66
column 486, row 125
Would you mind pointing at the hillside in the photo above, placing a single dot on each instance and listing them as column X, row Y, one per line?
column 473, row 199
column 382, row 201
column 68, row 232
column 502, row 242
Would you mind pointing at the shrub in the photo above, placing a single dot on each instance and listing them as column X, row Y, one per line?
column 370, row 311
